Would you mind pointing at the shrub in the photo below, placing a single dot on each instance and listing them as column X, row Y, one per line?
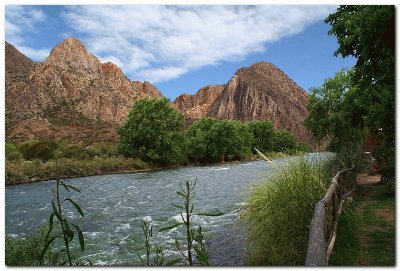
column 303, row 147
column 280, row 210
column 42, row 150
column 26, row 251
column 73, row 151
column 12, row 152
column 284, row 141
column 102, row 149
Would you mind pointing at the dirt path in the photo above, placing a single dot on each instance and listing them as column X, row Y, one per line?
column 376, row 212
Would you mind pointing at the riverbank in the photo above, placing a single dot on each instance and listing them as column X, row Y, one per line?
column 366, row 233
column 23, row 171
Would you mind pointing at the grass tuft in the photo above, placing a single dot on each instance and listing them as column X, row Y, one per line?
column 280, row 210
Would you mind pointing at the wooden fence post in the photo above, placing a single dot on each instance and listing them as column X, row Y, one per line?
column 319, row 249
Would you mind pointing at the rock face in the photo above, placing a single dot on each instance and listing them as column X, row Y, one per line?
column 259, row 92
column 70, row 95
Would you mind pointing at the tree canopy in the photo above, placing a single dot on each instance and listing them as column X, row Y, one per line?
column 153, row 132
column 263, row 132
column 211, row 140
column 362, row 99
column 368, row 33
column 329, row 116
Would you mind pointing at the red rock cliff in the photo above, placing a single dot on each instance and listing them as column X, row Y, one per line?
column 70, row 95
column 261, row 91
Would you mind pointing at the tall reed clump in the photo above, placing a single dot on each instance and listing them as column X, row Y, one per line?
column 280, row 210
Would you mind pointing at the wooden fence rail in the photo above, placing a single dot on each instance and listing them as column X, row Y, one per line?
column 326, row 214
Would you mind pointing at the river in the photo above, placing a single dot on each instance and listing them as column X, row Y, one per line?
column 116, row 205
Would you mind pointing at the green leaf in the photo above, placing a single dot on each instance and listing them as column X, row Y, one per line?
column 46, row 246
column 67, row 230
column 177, row 206
column 170, row 227
column 178, row 245
column 181, row 194
column 173, row 262
column 211, row 214
column 55, row 210
column 63, row 184
column 67, row 186
column 75, row 205
column 80, row 236
column 51, row 222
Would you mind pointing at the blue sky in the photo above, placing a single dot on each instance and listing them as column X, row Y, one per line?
column 180, row 49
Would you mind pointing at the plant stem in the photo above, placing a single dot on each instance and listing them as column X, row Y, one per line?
column 62, row 224
column 189, row 238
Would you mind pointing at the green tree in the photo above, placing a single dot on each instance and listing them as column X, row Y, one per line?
column 284, row 141
column 200, row 143
column 233, row 140
column 329, row 116
column 153, row 132
column 368, row 33
column 211, row 140
column 263, row 132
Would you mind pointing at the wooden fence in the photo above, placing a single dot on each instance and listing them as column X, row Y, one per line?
column 327, row 211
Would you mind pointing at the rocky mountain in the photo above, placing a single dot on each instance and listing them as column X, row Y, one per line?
column 259, row 92
column 70, row 95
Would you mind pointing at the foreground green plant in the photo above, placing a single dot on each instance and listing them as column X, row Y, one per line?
column 26, row 251
column 194, row 236
column 159, row 255
column 280, row 210
column 67, row 228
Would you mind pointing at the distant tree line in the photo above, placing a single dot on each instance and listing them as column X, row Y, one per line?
column 154, row 131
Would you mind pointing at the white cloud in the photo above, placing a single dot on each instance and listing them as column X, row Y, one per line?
column 161, row 74
column 19, row 21
column 158, row 43
column 35, row 54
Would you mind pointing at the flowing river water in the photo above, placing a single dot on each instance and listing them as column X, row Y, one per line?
column 116, row 205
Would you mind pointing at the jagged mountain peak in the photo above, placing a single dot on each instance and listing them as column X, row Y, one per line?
column 69, row 44
column 70, row 95
column 72, row 53
column 261, row 91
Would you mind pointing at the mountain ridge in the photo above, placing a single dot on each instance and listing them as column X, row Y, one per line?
column 72, row 95
column 261, row 91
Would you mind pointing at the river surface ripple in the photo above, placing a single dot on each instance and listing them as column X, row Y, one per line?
column 115, row 206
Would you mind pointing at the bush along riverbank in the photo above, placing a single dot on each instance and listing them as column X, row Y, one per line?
column 280, row 209
column 153, row 136
column 25, row 171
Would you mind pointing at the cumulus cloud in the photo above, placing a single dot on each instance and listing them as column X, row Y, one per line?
column 19, row 21
column 158, row 43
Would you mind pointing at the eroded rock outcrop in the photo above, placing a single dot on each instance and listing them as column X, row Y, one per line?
column 70, row 95
column 261, row 91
